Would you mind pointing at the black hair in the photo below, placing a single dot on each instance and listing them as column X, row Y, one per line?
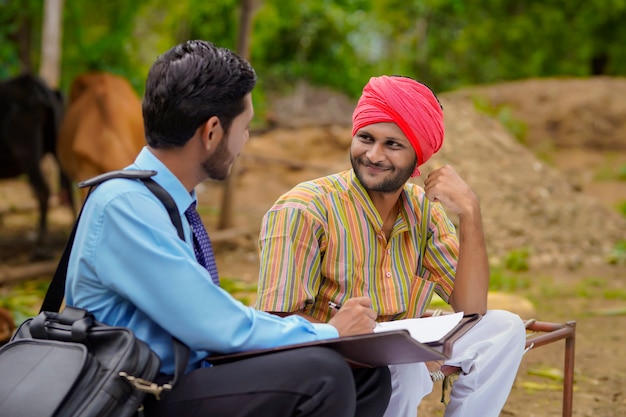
column 188, row 85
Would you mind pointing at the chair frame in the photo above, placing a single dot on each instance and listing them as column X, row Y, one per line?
column 540, row 333
column 547, row 332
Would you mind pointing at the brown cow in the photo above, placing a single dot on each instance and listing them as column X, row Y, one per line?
column 103, row 126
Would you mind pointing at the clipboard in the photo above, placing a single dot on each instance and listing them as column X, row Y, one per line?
column 369, row 350
column 444, row 345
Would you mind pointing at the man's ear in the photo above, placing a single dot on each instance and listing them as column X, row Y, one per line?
column 212, row 133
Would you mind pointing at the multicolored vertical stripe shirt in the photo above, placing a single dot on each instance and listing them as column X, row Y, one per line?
column 323, row 241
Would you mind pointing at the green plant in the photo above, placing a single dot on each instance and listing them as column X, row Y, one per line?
column 604, row 173
column 239, row 289
column 621, row 173
column 24, row 299
column 500, row 280
column 517, row 259
column 590, row 286
column 621, row 207
column 618, row 254
column 615, row 294
column 504, row 115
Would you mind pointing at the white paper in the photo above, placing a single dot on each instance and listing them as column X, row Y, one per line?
column 425, row 329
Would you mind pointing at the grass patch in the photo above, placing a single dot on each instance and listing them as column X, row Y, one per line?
column 24, row 299
column 517, row 260
column 590, row 287
column 609, row 173
column 242, row 291
column 621, row 208
column 614, row 294
column 503, row 280
column 618, row 254
column 504, row 115
column 621, row 173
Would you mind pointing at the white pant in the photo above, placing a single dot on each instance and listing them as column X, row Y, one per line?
column 489, row 356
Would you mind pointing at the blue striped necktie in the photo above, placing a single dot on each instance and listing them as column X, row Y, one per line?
column 201, row 243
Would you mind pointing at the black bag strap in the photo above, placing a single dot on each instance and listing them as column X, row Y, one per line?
column 56, row 291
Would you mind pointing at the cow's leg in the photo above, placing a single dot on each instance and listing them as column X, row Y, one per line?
column 42, row 194
column 30, row 153
column 67, row 191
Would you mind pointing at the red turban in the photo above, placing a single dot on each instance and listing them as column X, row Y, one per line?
column 407, row 103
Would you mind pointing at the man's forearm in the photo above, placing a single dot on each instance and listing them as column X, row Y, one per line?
column 471, row 283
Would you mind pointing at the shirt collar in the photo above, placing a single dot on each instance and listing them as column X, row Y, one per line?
column 408, row 208
column 165, row 178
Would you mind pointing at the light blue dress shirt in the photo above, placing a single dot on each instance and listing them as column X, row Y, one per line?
column 129, row 268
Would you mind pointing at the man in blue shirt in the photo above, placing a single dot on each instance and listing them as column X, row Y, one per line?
column 130, row 268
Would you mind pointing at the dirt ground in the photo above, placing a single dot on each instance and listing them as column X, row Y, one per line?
column 549, row 199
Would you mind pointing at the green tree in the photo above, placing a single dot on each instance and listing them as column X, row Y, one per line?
column 336, row 43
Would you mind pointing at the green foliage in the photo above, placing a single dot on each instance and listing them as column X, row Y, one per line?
column 316, row 41
column 504, row 115
column 501, row 280
column 618, row 254
column 615, row 294
column 18, row 19
column 589, row 286
column 517, row 260
column 24, row 299
column 597, row 287
column 621, row 208
column 240, row 290
column 339, row 43
column 99, row 38
column 609, row 173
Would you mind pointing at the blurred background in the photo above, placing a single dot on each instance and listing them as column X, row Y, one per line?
column 335, row 43
column 534, row 96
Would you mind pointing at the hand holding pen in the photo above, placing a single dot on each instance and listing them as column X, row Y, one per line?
column 354, row 317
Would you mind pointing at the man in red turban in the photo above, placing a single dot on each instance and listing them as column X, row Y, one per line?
column 370, row 232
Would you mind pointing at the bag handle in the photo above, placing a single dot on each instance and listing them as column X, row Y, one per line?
column 70, row 325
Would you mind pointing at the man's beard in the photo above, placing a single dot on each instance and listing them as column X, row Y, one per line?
column 218, row 165
column 398, row 177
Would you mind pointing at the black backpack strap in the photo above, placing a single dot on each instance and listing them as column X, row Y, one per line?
column 168, row 202
column 181, row 351
column 130, row 174
column 56, row 291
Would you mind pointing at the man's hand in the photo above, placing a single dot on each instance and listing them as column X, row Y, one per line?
column 471, row 282
column 355, row 317
column 446, row 186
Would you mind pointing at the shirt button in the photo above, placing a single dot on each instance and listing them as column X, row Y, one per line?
column 388, row 274
column 388, row 251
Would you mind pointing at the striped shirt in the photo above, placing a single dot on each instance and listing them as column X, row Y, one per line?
column 323, row 241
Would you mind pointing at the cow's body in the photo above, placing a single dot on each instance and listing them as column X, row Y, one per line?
column 30, row 115
column 103, row 126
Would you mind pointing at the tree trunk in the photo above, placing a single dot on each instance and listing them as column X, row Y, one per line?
column 51, row 34
column 247, row 8
column 23, row 40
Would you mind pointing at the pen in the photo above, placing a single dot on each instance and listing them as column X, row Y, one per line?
column 334, row 306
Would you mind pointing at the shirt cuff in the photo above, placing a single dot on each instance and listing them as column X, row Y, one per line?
column 325, row 331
